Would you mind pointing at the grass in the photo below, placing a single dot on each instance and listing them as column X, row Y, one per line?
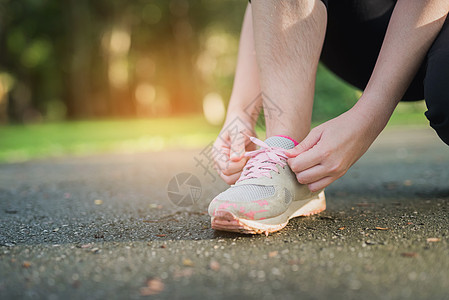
column 409, row 114
column 26, row 142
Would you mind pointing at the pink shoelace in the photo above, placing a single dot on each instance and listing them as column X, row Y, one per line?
column 263, row 160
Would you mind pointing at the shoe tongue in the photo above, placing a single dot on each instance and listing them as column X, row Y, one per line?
column 279, row 141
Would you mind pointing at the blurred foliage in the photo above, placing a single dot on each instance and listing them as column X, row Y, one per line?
column 332, row 95
column 81, row 59
column 114, row 58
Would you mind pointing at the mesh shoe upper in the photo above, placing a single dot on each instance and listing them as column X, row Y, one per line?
column 247, row 192
column 268, row 191
column 252, row 192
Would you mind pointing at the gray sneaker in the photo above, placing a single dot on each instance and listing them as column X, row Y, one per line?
column 267, row 194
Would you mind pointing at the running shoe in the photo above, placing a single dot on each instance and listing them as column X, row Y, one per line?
column 267, row 194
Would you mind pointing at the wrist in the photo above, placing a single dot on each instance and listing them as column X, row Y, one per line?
column 379, row 99
column 234, row 115
column 374, row 112
column 247, row 112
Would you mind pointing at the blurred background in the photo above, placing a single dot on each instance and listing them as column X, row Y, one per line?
column 80, row 77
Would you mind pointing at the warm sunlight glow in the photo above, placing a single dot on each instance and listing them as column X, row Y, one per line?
column 118, row 73
column 145, row 94
column 120, row 41
column 213, row 108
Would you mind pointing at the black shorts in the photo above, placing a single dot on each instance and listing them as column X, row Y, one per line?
column 354, row 36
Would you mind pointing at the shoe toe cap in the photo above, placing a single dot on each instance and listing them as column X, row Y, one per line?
column 251, row 210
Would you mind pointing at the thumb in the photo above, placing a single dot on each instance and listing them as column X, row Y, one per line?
column 311, row 140
column 238, row 147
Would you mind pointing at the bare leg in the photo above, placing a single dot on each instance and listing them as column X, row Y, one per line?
column 288, row 35
column 288, row 38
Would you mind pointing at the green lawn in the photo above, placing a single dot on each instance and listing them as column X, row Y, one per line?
column 25, row 142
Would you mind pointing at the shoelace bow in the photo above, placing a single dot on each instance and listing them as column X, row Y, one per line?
column 263, row 161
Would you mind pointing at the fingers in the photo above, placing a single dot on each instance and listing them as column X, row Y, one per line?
column 318, row 177
column 308, row 143
column 234, row 167
column 306, row 160
column 229, row 159
column 229, row 150
column 320, row 184
column 220, row 156
column 232, row 172
column 312, row 175
column 238, row 144
column 231, row 179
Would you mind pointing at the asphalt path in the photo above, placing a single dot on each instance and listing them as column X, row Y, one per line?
column 104, row 227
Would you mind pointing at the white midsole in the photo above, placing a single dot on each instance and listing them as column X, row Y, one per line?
column 296, row 209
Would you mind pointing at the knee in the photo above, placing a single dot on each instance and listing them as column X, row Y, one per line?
column 436, row 90
column 296, row 10
column 440, row 123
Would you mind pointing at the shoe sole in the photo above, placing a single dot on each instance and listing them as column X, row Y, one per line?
column 227, row 221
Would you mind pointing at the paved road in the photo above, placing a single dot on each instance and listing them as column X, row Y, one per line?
column 103, row 227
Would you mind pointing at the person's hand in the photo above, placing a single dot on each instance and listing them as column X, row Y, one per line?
column 331, row 148
column 230, row 146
